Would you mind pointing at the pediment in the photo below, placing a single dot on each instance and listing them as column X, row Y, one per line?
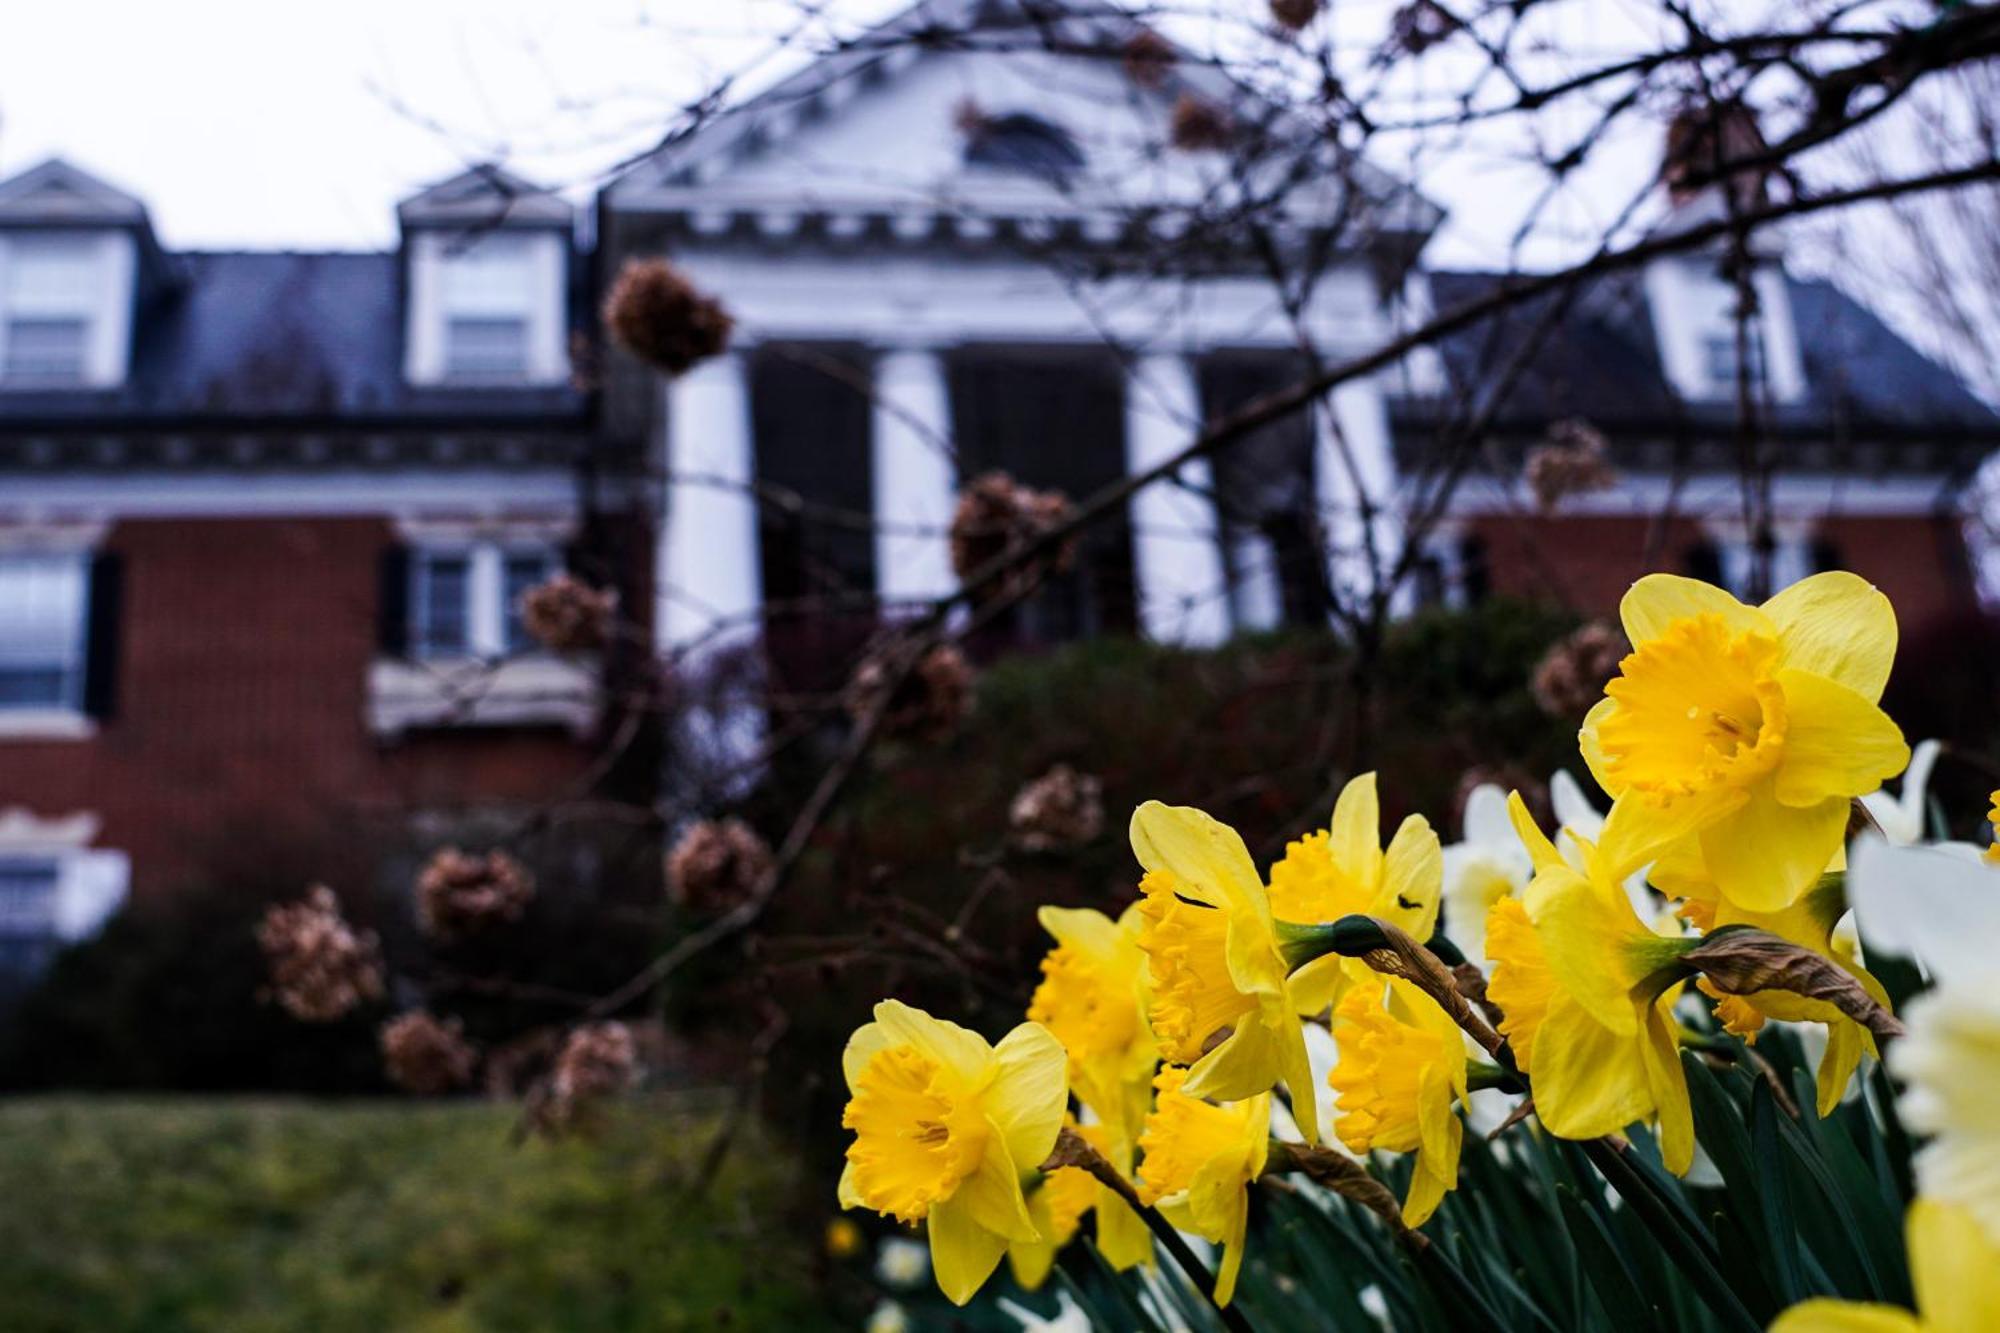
column 56, row 193
column 489, row 195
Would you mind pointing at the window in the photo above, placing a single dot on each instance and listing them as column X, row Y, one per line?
column 1026, row 144
column 441, row 606
column 1719, row 356
column 43, row 605
column 465, row 601
column 28, row 889
column 43, row 350
column 50, row 298
column 521, row 572
column 489, row 294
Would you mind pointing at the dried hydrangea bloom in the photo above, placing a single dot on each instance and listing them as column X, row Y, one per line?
column 716, row 865
column 427, row 1055
column 567, row 615
column 1574, row 460
column 1149, row 58
column 1200, row 125
column 1573, row 673
column 997, row 516
column 459, row 892
column 1061, row 808
column 1418, row 26
column 660, row 317
column 1294, row 14
column 321, row 967
column 927, row 703
column 597, row 1061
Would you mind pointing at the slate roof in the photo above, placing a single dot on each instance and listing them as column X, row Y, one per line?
column 281, row 337
column 1602, row 364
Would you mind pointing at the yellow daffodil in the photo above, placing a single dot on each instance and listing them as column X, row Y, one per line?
column 1057, row 1207
column 1402, row 1062
column 1993, row 821
column 1571, row 960
column 945, row 1126
column 1200, row 1159
column 1955, row 1267
column 1748, row 728
column 1342, row 870
column 1214, row 963
column 1092, row 996
column 1809, row 922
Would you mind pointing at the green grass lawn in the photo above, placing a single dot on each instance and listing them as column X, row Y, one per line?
column 235, row 1216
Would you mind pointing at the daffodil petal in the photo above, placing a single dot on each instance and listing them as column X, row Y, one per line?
column 1839, row 743
column 1823, row 1315
column 1029, row 1092
column 1657, row 600
column 1592, row 748
column 1413, row 878
column 1580, row 929
column 1122, row 1236
column 1427, row 1191
column 1084, row 929
column 1667, row 1084
column 849, row 1196
column 1955, row 1266
column 1540, row 850
column 994, row 1196
column 1765, row 854
column 1838, row 625
column 1355, row 832
column 869, row 1040
column 1205, row 855
column 963, row 1052
column 963, row 1253
column 1589, row 1080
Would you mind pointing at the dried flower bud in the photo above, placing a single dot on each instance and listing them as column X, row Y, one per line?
column 1200, row 125
column 1417, row 27
column 1573, row 673
column 1574, row 460
column 321, row 967
column 425, row 1055
column 926, row 703
column 1294, row 14
column 716, row 865
column 1149, row 58
column 597, row 1061
column 567, row 615
column 969, row 119
column 1061, row 808
column 998, row 517
column 459, row 892
column 656, row 314
column 1743, row 961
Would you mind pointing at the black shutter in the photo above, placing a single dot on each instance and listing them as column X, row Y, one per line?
column 100, row 662
column 392, row 601
column 1704, row 562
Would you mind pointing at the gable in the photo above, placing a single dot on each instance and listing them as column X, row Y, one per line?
column 58, row 194
column 881, row 128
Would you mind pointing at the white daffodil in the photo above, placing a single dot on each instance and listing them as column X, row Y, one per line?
column 1069, row 1317
column 1488, row 865
column 1903, row 816
column 1944, row 911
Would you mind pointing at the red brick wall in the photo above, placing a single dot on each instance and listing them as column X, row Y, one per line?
column 1588, row 562
column 244, row 647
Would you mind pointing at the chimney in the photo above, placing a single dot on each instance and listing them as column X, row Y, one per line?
column 1702, row 139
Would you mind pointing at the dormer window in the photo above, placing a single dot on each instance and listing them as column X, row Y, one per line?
column 59, row 311
column 491, row 302
column 1724, row 368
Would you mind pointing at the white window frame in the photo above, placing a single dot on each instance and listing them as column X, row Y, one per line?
column 73, row 566
column 96, row 293
column 90, row 883
column 488, row 615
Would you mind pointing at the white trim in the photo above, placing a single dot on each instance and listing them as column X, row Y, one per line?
column 1644, row 495
column 77, row 498
column 1183, row 593
column 520, row 691
column 46, row 724
column 91, row 884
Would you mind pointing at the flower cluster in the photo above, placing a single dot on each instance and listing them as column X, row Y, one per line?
column 1061, row 808
column 656, row 314
column 459, row 892
column 567, row 615
column 321, row 967
column 426, row 1055
column 926, row 701
column 996, row 517
column 1176, row 1056
column 716, row 865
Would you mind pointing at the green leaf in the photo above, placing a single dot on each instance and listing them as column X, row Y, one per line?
column 1617, row 1287
column 1774, row 1196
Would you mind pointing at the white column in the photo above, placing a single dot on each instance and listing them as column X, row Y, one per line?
column 708, row 568
column 915, row 477
column 1177, row 557
column 1353, row 457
